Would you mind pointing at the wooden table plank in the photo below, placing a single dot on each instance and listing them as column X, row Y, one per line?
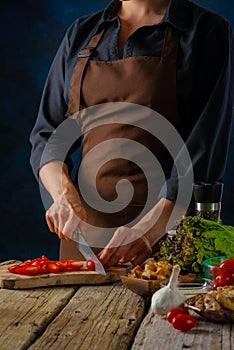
column 24, row 314
column 155, row 333
column 97, row 317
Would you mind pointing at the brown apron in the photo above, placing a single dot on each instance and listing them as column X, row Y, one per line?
column 148, row 81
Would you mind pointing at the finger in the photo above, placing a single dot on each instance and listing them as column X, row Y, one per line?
column 137, row 247
column 58, row 231
column 105, row 255
column 115, row 249
column 116, row 255
column 141, row 257
column 62, row 236
column 70, row 225
column 113, row 259
column 49, row 223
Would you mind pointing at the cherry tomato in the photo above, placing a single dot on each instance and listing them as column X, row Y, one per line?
column 54, row 267
column 44, row 258
column 176, row 311
column 75, row 265
column 183, row 322
column 227, row 264
column 64, row 265
column 31, row 270
column 90, row 265
column 19, row 270
column 11, row 269
column 223, row 280
column 43, row 267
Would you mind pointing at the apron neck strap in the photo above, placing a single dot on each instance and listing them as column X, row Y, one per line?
column 83, row 56
column 91, row 46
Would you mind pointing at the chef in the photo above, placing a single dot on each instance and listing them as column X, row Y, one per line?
column 170, row 57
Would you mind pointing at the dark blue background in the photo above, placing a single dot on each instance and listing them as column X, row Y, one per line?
column 31, row 32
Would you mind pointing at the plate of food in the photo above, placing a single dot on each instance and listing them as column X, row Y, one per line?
column 215, row 305
column 146, row 279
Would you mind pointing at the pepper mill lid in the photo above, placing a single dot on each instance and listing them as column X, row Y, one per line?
column 208, row 192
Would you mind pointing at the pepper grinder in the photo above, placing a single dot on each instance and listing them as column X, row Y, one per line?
column 208, row 197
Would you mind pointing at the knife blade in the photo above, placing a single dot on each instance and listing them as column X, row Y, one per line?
column 86, row 251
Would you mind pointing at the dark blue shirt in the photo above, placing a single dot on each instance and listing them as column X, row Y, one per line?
column 204, row 81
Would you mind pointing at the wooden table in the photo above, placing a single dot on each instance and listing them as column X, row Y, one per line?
column 96, row 317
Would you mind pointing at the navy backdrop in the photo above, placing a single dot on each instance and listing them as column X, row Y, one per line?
column 31, row 32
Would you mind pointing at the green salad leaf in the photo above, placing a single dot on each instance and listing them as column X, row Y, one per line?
column 197, row 239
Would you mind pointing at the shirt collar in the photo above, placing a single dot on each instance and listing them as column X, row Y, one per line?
column 177, row 14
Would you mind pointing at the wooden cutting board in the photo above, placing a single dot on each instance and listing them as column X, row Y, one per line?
column 10, row 280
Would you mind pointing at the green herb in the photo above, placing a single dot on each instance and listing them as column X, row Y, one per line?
column 196, row 240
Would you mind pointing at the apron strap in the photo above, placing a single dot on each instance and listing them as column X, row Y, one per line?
column 83, row 59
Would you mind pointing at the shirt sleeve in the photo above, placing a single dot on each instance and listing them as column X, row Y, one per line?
column 207, row 123
column 54, row 137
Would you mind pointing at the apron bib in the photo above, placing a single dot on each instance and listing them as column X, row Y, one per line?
column 148, row 81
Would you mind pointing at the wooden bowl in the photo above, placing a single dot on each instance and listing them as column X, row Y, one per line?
column 147, row 288
column 141, row 287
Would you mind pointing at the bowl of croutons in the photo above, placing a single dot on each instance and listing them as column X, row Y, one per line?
column 146, row 279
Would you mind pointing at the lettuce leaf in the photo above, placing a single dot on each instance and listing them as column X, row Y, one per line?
column 197, row 239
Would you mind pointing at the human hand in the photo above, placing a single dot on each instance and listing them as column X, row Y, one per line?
column 65, row 214
column 126, row 245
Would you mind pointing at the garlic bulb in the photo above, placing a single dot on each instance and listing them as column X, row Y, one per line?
column 169, row 296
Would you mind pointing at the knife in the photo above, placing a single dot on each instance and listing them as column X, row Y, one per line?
column 86, row 251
